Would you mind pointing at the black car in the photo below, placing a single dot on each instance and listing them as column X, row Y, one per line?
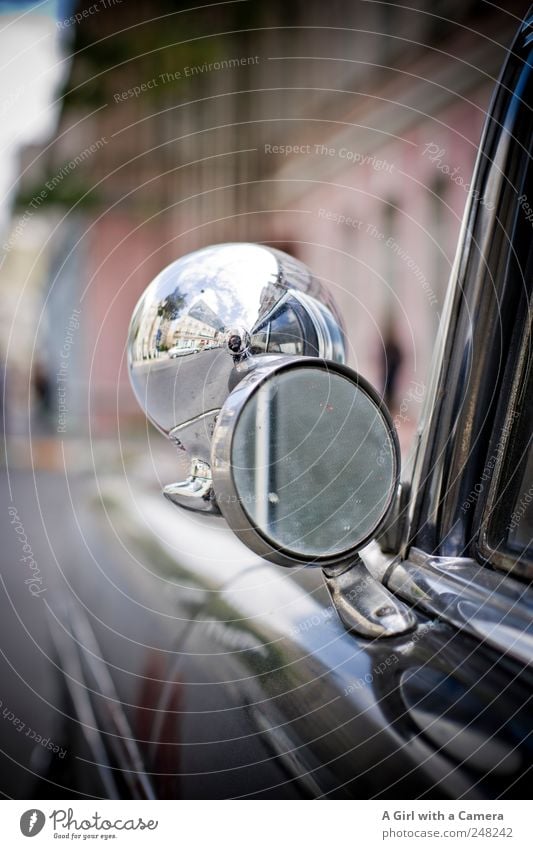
column 373, row 637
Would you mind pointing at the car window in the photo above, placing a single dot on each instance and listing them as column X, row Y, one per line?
column 521, row 520
column 517, row 504
column 507, row 529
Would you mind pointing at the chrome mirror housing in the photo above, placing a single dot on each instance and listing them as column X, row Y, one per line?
column 204, row 323
column 305, row 462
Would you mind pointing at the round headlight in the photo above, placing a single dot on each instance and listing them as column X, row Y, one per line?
column 202, row 324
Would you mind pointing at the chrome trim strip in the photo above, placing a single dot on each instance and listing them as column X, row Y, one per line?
column 132, row 765
column 78, row 649
column 468, row 595
column 175, row 430
column 69, row 658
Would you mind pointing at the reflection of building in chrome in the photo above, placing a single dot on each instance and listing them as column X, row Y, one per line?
column 146, row 333
column 197, row 328
column 173, row 328
column 268, row 298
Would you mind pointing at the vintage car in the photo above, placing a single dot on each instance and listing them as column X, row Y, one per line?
column 325, row 625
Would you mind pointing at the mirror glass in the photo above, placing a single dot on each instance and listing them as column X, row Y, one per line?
column 313, row 461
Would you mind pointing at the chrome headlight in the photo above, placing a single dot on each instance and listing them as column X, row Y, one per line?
column 203, row 324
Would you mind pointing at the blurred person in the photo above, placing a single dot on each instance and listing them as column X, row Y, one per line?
column 42, row 390
column 391, row 362
column 4, row 404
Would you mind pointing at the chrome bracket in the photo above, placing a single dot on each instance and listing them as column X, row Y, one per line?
column 364, row 604
column 196, row 492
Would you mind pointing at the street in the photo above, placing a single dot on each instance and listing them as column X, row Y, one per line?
column 30, row 690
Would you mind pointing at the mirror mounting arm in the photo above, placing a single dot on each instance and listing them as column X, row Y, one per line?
column 363, row 604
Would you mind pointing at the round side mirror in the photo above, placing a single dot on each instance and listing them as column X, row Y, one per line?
column 305, row 462
column 236, row 354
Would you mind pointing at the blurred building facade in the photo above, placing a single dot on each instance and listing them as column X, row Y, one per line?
column 344, row 133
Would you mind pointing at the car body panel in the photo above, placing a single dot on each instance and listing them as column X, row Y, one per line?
column 264, row 693
column 245, row 684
